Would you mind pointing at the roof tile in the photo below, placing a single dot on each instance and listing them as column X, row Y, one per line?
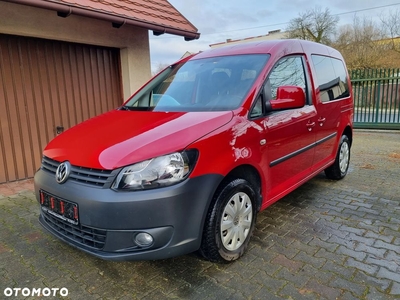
column 157, row 12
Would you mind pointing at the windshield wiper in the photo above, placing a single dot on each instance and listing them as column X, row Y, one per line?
column 136, row 108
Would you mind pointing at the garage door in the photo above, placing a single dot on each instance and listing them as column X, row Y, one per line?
column 45, row 87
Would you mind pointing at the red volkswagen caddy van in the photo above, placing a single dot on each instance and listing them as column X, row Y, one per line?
column 189, row 160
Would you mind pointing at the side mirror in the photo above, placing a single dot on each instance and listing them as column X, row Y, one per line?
column 287, row 97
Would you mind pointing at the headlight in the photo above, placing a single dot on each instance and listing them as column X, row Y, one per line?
column 156, row 172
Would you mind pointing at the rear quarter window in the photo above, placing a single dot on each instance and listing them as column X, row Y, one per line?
column 331, row 78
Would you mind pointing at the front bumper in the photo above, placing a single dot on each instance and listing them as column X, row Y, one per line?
column 110, row 220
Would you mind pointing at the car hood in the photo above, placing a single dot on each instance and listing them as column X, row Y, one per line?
column 119, row 138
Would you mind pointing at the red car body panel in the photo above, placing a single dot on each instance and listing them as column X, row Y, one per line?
column 119, row 138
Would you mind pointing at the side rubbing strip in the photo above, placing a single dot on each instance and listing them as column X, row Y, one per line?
column 326, row 138
column 293, row 154
column 290, row 155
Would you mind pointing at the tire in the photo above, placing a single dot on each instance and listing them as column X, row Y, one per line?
column 339, row 168
column 230, row 222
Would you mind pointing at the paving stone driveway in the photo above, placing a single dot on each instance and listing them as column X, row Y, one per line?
column 326, row 240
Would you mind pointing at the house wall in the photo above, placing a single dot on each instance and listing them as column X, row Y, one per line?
column 132, row 41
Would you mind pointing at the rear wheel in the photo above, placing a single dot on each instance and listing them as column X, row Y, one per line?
column 230, row 222
column 339, row 168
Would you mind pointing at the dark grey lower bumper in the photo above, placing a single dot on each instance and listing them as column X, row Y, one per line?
column 174, row 216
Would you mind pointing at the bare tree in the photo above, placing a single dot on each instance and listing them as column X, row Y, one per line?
column 363, row 45
column 159, row 67
column 314, row 25
column 391, row 26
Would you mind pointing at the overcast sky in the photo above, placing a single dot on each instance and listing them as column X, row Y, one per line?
column 236, row 19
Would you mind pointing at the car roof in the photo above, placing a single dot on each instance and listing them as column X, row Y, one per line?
column 283, row 47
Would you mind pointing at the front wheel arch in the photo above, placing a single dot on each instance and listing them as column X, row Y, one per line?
column 250, row 174
column 230, row 221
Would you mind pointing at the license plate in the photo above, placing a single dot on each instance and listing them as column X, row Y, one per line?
column 60, row 208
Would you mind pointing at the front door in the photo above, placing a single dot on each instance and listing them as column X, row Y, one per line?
column 288, row 135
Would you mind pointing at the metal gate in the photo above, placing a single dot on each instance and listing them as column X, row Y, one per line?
column 45, row 87
column 376, row 98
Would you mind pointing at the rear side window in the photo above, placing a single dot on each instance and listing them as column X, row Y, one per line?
column 331, row 78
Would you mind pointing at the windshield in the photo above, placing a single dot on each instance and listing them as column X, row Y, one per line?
column 210, row 84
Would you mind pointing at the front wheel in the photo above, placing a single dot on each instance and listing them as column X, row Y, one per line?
column 229, row 222
column 339, row 168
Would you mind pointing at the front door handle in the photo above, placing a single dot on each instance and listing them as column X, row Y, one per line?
column 321, row 121
column 310, row 126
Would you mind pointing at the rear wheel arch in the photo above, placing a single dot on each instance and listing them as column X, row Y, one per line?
column 340, row 166
column 349, row 133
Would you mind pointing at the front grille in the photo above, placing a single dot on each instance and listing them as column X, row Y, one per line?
column 89, row 176
column 84, row 235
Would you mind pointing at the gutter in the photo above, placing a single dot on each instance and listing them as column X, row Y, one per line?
column 64, row 10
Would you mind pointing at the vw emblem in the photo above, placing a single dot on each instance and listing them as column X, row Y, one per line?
column 62, row 172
